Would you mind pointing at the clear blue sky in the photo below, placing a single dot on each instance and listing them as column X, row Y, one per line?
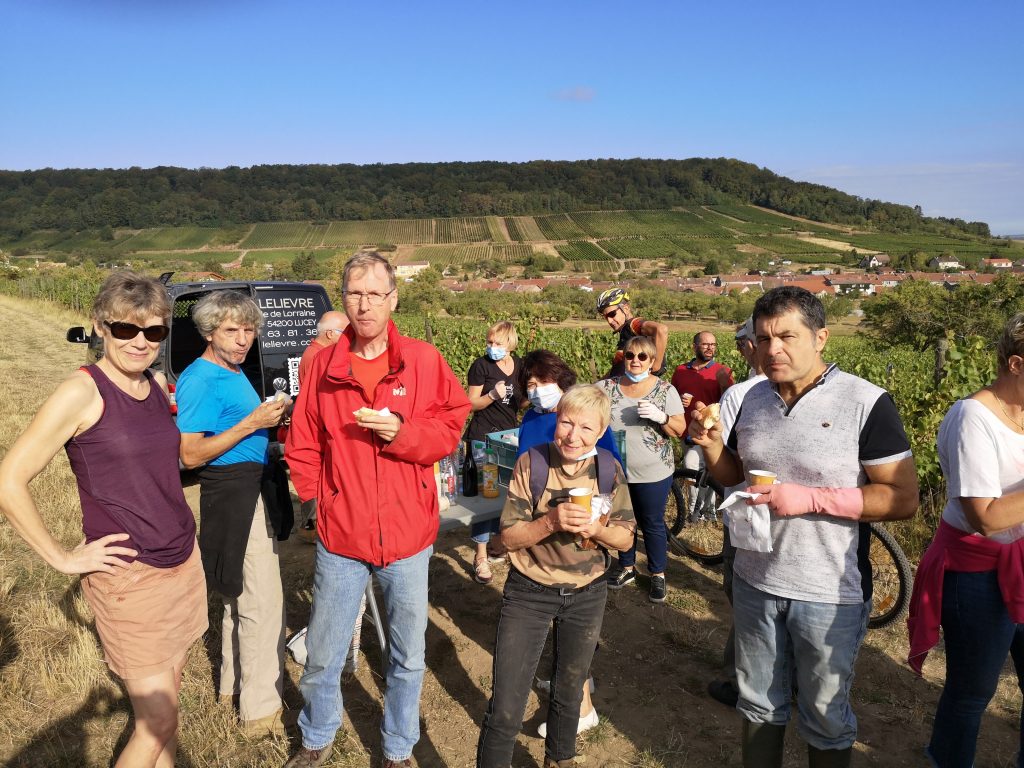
column 907, row 101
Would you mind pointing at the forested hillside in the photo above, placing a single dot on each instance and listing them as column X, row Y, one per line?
column 79, row 199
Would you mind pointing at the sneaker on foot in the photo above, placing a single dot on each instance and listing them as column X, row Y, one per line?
column 621, row 579
column 724, row 691
column 482, row 571
column 309, row 758
column 588, row 721
column 658, row 589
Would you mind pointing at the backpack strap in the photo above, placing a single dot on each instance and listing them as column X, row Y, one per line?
column 539, row 467
column 605, row 470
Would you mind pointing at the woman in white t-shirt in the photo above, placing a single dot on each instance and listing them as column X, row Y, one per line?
column 971, row 578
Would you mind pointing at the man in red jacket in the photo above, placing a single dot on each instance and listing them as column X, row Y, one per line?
column 378, row 411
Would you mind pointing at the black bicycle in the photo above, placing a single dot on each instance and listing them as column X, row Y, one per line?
column 698, row 532
column 692, row 518
column 892, row 579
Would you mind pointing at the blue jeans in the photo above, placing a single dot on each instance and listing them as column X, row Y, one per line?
column 482, row 532
column 338, row 585
column 649, row 509
column 777, row 637
column 527, row 610
column 979, row 634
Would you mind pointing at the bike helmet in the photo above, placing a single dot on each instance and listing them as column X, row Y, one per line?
column 611, row 298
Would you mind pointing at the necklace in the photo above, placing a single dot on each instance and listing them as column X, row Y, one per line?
column 1018, row 424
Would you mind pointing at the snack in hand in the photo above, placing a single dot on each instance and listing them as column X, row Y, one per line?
column 364, row 412
column 709, row 415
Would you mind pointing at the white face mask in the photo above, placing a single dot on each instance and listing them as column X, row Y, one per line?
column 587, row 455
column 496, row 352
column 637, row 378
column 545, row 397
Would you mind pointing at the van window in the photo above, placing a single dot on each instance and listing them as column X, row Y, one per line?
column 290, row 318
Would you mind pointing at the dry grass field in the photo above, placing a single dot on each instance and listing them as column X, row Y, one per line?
column 60, row 707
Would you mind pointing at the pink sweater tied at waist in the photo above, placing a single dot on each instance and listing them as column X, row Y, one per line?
column 956, row 550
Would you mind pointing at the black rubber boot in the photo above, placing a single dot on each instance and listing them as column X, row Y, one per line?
column 762, row 745
column 829, row 758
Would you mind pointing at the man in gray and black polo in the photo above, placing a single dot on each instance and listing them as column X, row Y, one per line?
column 842, row 458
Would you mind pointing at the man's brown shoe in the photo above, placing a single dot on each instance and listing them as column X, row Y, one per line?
column 309, row 758
column 407, row 763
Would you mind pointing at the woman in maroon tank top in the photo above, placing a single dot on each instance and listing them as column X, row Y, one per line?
column 141, row 572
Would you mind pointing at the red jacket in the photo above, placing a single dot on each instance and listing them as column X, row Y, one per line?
column 377, row 501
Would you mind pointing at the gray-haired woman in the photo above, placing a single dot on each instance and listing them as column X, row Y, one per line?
column 224, row 430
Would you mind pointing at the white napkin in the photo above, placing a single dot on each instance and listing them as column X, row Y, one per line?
column 600, row 504
column 749, row 527
column 385, row 411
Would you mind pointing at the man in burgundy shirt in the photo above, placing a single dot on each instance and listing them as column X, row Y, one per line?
column 702, row 379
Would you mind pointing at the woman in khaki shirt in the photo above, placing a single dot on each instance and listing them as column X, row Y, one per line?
column 554, row 578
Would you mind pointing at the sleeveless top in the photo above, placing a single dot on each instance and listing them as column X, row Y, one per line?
column 126, row 465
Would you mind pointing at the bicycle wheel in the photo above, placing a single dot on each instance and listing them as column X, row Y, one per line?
column 700, row 533
column 891, row 579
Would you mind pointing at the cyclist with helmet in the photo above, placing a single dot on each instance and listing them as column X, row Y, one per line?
column 613, row 306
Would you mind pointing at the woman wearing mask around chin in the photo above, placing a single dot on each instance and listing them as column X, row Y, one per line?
column 553, row 579
column 650, row 412
column 495, row 395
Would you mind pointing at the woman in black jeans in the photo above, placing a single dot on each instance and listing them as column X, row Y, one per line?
column 554, row 578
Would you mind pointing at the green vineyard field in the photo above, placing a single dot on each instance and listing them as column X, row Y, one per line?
column 581, row 250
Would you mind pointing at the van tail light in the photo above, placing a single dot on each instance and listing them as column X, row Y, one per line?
column 172, row 398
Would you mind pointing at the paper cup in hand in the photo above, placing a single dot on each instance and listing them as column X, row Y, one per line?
column 581, row 496
column 762, row 477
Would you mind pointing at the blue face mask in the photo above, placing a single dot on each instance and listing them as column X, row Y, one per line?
column 496, row 353
column 639, row 378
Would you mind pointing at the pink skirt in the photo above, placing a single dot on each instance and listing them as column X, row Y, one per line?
column 147, row 618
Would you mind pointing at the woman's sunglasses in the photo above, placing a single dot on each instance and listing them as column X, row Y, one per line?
column 643, row 357
column 128, row 331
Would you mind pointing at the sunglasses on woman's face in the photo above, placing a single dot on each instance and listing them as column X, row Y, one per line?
column 643, row 357
column 128, row 331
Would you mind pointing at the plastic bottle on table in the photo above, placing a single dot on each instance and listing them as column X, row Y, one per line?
column 490, row 484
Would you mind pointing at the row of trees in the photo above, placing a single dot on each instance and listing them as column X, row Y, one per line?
column 556, row 304
column 85, row 199
column 920, row 313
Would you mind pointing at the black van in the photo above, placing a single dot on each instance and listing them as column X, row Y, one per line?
column 290, row 310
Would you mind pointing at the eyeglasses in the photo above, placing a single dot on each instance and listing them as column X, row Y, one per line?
column 373, row 298
column 128, row 331
column 609, row 315
column 712, row 345
column 643, row 357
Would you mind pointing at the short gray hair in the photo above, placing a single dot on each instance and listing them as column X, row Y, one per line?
column 365, row 260
column 214, row 308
